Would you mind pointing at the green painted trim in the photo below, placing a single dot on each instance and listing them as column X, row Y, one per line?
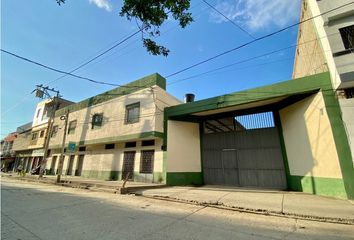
column 201, row 141
column 101, row 175
column 156, row 177
column 341, row 141
column 283, row 89
column 116, row 139
column 277, row 121
column 164, row 165
column 145, row 82
column 333, row 187
column 184, row 178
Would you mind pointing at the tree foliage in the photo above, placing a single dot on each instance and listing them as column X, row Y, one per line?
column 150, row 15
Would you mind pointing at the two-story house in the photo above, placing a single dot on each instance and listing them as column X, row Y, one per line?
column 116, row 135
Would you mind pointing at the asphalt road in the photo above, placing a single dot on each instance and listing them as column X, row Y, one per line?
column 38, row 211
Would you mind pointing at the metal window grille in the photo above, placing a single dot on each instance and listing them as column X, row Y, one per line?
column 347, row 34
column 257, row 120
column 132, row 113
column 239, row 123
column 147, row 161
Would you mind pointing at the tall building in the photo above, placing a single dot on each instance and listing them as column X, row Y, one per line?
column 326, row 43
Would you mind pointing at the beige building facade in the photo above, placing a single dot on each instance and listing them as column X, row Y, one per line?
column 117, row 134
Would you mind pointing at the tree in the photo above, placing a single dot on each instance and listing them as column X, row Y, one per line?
column 150, row 15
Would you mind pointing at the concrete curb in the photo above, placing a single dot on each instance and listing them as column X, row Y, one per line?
column 220, row 205
column 86, row 186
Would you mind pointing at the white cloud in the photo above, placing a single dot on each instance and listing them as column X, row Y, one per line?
column 105, row 4
column 258, row 14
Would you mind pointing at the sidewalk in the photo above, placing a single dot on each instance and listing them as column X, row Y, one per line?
column 279, row 203
column 90, row 184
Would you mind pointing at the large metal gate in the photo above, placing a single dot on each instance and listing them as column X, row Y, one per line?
column 243, row 156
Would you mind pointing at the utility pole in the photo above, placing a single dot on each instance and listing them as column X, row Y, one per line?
column 41, row 92
column 61, row 158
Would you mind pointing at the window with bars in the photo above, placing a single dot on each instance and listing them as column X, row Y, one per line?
column 97, row 120
column 147, row 161
column 132, row 113
column 72, row 126
column 347, row 34
column 54, row 131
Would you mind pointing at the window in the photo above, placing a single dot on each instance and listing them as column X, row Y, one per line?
column 82, row 149
column 72, row 126
column 54, row 131
column 38, row 112
column 132, row 113
column 349, row 93
column 41, row 134
column 97, row 121
column 347, row 34
column 109, row 146
column 34, row 135
column 45, row 113
column 130, row 144
column 147, row 161
column 148, row 143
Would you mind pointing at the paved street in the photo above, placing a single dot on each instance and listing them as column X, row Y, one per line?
column 39, row 211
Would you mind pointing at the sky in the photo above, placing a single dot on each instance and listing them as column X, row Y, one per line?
column 65, row 36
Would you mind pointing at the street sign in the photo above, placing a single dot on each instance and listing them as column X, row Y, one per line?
column 71, row 147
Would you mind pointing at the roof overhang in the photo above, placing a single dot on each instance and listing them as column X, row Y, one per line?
column 279, row 95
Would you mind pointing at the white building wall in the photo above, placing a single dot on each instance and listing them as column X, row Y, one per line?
column 309, row 139
column 183, row 151
column 347, row 108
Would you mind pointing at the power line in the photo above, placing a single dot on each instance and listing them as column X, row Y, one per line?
column 227, row 18
column 99, row 55
column 253, row 41
column 248, row 59
column 66, row 73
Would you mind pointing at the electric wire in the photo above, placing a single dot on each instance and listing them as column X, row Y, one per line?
column 66, row 73
column 227, row 18
column 255, row 40
column 248, row 59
